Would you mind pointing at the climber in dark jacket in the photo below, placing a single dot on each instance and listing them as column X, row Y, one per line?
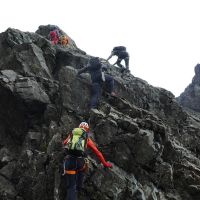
column 96, row 70
column 122, row 54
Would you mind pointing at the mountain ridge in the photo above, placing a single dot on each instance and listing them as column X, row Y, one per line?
column 152, row 141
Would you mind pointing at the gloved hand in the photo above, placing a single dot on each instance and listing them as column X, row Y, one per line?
column 107, row 165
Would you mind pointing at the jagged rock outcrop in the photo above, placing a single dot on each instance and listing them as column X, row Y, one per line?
column 190, row 98
column 151, row 141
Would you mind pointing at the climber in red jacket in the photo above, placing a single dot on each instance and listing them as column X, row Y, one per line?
column 76, row 162
column 54, row 37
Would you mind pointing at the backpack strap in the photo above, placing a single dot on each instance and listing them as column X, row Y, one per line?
column 83, row 137
column 86, row 139
column 70, row 140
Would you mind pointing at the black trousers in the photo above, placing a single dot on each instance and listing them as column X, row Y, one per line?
column 74, row 181
column 96, row 90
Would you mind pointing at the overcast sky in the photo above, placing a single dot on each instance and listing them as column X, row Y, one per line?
column 161, row 36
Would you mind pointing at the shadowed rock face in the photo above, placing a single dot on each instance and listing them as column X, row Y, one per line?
column 151, row 141
column 191, row 96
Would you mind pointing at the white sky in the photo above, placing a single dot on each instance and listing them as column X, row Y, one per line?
column 161, row 36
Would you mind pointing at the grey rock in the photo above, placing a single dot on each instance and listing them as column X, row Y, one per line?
column 190, row 97
column 7, row 190
column 150, row 139
column 30, row 91
column 10, row 74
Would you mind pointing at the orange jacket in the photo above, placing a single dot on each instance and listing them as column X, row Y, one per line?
column 90, row 144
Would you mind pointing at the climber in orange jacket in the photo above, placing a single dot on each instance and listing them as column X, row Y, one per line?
column 75, row 162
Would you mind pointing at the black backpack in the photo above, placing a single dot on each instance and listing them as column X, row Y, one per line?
column 119, row 48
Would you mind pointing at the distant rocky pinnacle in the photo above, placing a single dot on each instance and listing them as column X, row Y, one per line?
column 151, row 140
column 190, row 98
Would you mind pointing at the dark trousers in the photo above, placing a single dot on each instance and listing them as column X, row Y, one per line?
column 126, row 60
column 74, row 181
column 96, row 90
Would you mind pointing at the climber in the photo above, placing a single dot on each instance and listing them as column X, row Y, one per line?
column 96, row 70
column 63, row 40
column 54, row 36
column 122, row 54
column 76, row 162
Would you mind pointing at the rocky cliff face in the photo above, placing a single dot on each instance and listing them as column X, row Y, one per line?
column 151, row 141
column 190, row 98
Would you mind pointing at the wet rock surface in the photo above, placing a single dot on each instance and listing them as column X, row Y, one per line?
column 152, row 142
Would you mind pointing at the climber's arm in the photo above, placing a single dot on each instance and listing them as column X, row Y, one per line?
column 111, row 55
column 99, row 155
column 83, row 70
